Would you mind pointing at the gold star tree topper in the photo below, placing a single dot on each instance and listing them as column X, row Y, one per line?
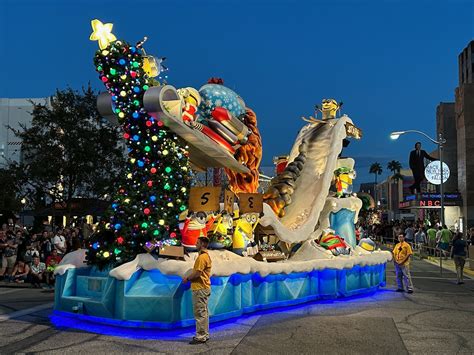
column 102, row 32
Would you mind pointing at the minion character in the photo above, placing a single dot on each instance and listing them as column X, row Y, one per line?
column 190, row 99
column 329, row 108
column 243, row 232
column 343, row 176
column 334, row 243
column 367, row 244
column 343, row 180
column 194, row 226
column 221, row 237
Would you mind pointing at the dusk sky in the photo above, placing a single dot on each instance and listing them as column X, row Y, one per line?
column 390, row 62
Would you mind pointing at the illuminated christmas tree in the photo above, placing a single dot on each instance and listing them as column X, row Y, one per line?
column 145, row 211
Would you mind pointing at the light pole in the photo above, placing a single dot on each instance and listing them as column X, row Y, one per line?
column 440, row 142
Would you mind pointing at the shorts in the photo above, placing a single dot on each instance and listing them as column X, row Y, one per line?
column 8, row 261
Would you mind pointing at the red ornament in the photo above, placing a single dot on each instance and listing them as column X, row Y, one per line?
column 149, row 183
column 120, row 240
column 148, row 123
column 126, row 135
column 104, row 79
column 160, row 123
column 153, row 170
column 133, row 74
column 146, row 211
column 173, row 235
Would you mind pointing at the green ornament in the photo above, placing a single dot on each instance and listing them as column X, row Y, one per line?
column 113, row 71
column 168, row 169
column 167, row 186
column 144, row 225
column 145, row 87
column 156, row 232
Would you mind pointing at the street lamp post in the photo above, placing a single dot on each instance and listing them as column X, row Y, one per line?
column 440, row 142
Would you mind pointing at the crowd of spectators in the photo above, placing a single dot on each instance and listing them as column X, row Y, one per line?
column 28, row 257
column 417, row 233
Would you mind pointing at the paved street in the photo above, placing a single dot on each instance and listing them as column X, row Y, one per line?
column 437, row 318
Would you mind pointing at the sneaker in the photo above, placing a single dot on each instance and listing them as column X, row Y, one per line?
column 410, row 291
column 400, row 290
column 197, row 341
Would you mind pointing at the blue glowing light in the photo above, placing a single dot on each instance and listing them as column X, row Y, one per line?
column 149, row 330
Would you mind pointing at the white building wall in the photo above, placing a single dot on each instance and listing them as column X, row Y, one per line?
column 13, row 112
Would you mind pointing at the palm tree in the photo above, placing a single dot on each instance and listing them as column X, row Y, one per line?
column 394, row 166
column 375, row 169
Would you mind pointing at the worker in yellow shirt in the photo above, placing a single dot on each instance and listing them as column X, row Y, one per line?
column 401, row 257
column 200, row 278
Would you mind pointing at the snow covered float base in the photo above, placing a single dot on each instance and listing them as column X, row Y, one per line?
column 151, row 299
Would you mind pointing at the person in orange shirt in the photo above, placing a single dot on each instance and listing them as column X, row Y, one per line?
column 200, row 279
column 401, row 257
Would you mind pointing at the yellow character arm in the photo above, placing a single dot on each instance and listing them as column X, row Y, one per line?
column 217, row 225
column 256, row 223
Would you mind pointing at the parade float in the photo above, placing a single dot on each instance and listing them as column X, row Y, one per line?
column 292, row 244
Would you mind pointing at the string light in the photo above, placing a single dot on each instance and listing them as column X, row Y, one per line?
column 142, row 211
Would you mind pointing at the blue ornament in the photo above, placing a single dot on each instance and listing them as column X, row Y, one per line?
column 114, row 206
column 214, row 95
column 140, row 164
column 95, row 245
column 136, row 137
column 152, row 198
column 135, row 115
column 118, row 226
column 122, row 62
column 136, row 89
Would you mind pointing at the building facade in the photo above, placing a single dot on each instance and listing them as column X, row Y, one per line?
column 464, row 111
column 14, row 113
column 446, row 125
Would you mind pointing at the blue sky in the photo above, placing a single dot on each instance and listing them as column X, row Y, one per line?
column 390, row 62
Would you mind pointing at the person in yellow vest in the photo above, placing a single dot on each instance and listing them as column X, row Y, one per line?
column 401, row 257
column 200, row 278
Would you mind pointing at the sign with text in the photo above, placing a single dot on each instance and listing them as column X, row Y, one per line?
column 433, row 172
column 204, row 198
column 250, row 203
column 353, row 131
column 229, row 199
